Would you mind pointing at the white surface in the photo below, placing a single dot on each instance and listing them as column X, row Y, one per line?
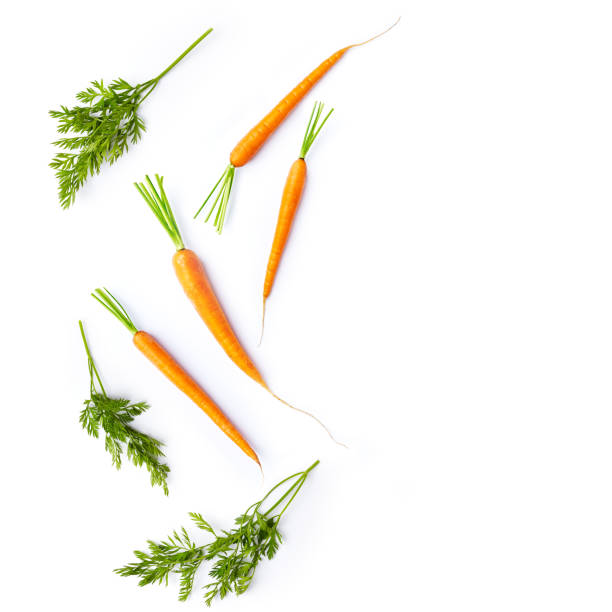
column 444, row 303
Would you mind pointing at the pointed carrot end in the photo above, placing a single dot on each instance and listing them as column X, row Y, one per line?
column 312, row 416
column 263, row 317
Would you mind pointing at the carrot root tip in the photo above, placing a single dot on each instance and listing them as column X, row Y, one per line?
column 263, row 317
column 312, row 416
column 365, row 42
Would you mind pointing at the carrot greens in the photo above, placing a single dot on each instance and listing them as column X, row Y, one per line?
column 102, row 128
column 234, row 554
column 113, row 416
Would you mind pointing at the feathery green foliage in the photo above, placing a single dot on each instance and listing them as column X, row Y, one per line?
column 234, row 554
column 314, row 127
column 114, row 416
column 102, row 128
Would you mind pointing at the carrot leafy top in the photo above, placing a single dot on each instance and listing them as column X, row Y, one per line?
column 101, row 129
column 234, row 554
column 114, row 416
column 314, row 127
column 158, row 203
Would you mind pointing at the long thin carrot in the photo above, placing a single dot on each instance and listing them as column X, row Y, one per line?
column 194, row 280
column 292, row 195
column 248, row 146
column 173, row 370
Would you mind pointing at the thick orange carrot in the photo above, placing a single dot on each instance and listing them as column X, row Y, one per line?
column 248, row 146
column 173, row 370
column 194, row 280
column 168, row 366
column 292, row 195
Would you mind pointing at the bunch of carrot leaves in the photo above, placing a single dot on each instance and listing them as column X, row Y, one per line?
column 102, row 128
column 113, row 416
column 234, row 554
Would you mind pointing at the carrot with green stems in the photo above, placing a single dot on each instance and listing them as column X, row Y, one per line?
column 173, row 370
column 194, row 280
column 250, row 144
column 292, row 195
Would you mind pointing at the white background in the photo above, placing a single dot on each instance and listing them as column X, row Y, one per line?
column 444, row 303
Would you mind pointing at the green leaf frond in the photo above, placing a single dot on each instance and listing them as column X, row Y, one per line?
column 159, row 204
column 113, row 416
column 234, row 554
column 110, row 302
column 103, row 127
column 314, row 127
column 223, row 188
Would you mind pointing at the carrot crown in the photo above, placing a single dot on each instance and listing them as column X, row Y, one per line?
column 112, row 304
column 314, row 127
column 158, row 203
column 220, row 202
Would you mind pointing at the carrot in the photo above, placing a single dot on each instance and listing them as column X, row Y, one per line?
column 292, row 195
column 250, row 144
column 194, row 280
column 173, row 370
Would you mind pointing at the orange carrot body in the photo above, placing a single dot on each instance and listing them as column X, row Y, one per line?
column 292, row 194
column 194, row 280
column 166, row 364
column 246, row 149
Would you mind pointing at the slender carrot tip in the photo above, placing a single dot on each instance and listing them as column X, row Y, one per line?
column 365, row 42
column 263, row 316
column 312, row 416
column 262, row 472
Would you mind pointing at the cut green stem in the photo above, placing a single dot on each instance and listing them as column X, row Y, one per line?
column 314, row 127
column 182, row 55
column 159, row 204
column 93, row 371
column 110, row 302
column 221, row 200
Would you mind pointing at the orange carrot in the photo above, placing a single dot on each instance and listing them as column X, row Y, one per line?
column 168, row 366
column 194, row 280
column 292, row 195
column 247, row 148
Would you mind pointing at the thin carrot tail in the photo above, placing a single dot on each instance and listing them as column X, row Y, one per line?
column 365, row 42
column 263, row 317
column 221, row 200
column 312, row 416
